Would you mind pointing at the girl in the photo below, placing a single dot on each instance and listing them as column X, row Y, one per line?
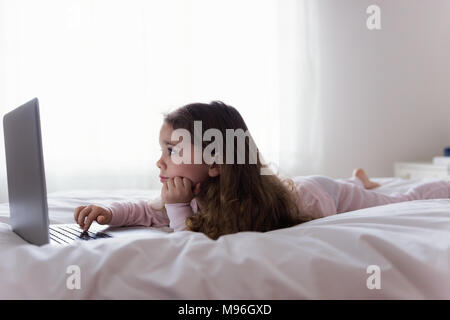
column 222, row 198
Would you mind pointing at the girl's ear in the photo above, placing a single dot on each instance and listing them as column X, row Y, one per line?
column 214, row 170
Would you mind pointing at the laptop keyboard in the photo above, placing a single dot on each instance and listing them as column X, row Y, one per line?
column 70, row 233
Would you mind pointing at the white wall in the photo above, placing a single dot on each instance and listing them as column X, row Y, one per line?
column 385, row 94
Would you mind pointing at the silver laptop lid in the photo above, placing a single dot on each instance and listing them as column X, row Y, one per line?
column 26, row 175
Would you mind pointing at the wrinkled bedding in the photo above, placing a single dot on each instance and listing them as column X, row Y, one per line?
column 326, row 258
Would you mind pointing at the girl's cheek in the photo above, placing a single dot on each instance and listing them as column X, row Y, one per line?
column 177, row 169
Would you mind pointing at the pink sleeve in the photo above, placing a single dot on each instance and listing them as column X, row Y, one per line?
column 137, row 213
column 177, row 213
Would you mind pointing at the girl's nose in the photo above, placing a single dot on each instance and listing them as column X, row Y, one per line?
column 160, row 164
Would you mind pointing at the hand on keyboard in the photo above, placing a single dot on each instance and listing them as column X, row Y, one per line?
column 85, row 215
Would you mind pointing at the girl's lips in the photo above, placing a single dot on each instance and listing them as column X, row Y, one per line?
column 161, row 178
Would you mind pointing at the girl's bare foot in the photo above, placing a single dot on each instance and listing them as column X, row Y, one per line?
column 361, row 175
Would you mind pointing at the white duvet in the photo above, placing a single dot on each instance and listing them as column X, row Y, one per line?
column 397, row 251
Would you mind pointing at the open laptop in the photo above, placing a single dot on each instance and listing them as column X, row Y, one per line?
column 27, row 189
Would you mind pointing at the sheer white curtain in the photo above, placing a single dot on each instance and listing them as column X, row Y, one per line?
column 104, row 71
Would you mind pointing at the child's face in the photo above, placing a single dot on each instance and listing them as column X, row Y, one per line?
column 168, row 169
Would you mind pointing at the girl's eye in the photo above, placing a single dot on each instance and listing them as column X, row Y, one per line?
column 170, row 151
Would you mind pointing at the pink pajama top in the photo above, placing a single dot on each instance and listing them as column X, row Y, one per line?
column 141, row 213
column 316, row 197
column 312, row 200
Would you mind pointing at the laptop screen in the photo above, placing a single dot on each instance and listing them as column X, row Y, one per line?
column 26, row 175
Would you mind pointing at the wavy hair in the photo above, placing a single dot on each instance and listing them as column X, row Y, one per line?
column 240, row 198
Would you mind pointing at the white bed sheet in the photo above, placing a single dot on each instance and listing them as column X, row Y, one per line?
column 322, row 259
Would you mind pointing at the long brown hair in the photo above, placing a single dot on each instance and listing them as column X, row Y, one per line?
column 240, row 198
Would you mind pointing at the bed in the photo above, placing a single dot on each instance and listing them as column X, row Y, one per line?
column 397, row 251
